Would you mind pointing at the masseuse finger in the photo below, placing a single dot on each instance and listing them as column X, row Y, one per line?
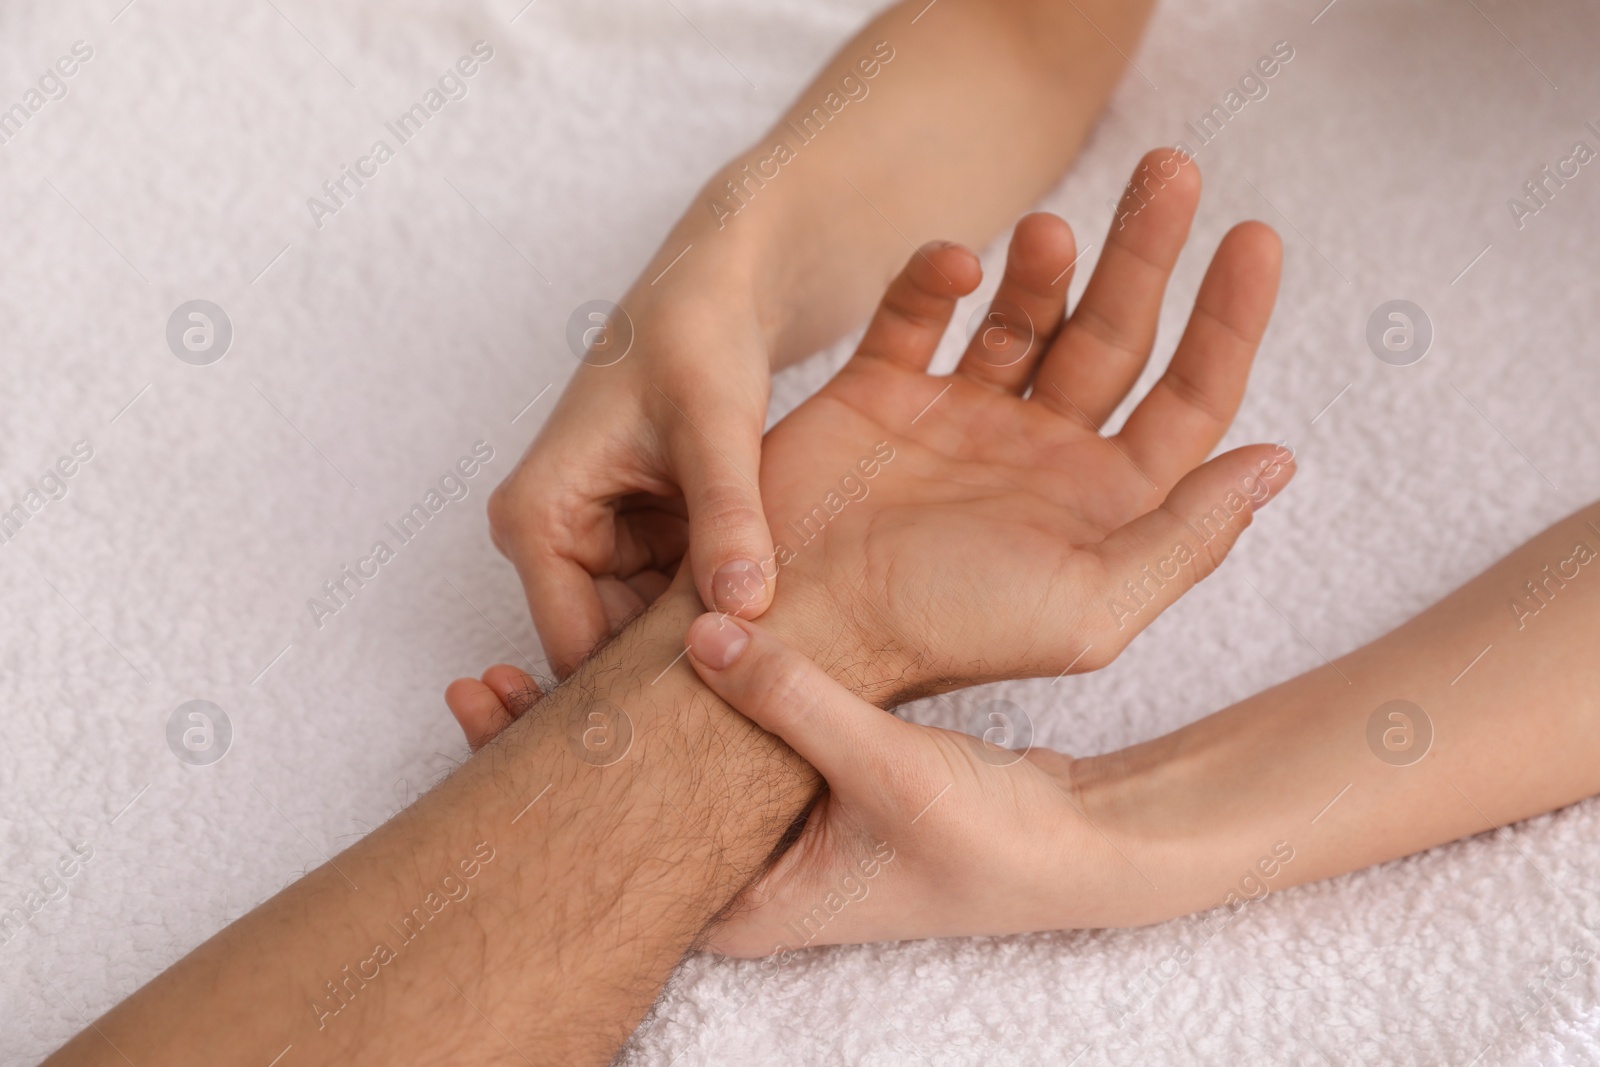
column 623, row 600
column 647, row 538
column 1186, row 413
column 916, row 308
column 558, row 536
column 1022, row 319
column 1106, row 342
column 853, row 745
column 566, row 607
column 717, row 459
column 1155, row 559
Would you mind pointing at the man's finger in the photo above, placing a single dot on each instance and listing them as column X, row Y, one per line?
column 916, row 308
column 1186, row 413
column 1105, row 343
column 1026, row 311
column 647, row 539
column 484, row 708
column 566, row 607
column 730, row 547
column 1156, row 558
column 846, row 739
column 516, row 688
column 619, row 599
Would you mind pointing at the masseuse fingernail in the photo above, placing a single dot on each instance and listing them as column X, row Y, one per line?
column 738, row 585
column 717, row 640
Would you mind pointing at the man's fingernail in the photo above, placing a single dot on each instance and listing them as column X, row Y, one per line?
column 717, row 641
column 738, row 585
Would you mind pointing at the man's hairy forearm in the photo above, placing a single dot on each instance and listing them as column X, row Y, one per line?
column 528, row 909
column 935, row 121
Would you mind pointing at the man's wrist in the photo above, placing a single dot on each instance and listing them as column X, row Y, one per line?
column 833, row 635
column 679, row 737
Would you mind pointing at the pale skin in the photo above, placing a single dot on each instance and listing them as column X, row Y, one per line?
column 605, row 872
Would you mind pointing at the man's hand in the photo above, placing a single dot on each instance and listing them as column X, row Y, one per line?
column 968, row 528
column 938, row 532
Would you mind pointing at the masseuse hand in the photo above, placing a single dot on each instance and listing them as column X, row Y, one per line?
column 922, row 832
column 595, row 513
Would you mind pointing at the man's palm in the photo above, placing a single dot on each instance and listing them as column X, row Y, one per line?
column 1000, row 538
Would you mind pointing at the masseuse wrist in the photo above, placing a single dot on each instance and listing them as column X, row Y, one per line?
column 1122, row 796
column 1187, row 809
column 773, row 255
column 733, row 269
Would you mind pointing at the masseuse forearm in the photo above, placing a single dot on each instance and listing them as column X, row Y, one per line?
column 574, row 912
column 936, row 121
column 1502, row 674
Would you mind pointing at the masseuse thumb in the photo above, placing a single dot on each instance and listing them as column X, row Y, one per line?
column 846, row 739
column 730, row 547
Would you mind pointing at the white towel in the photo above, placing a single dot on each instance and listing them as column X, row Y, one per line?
column 369, row 356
